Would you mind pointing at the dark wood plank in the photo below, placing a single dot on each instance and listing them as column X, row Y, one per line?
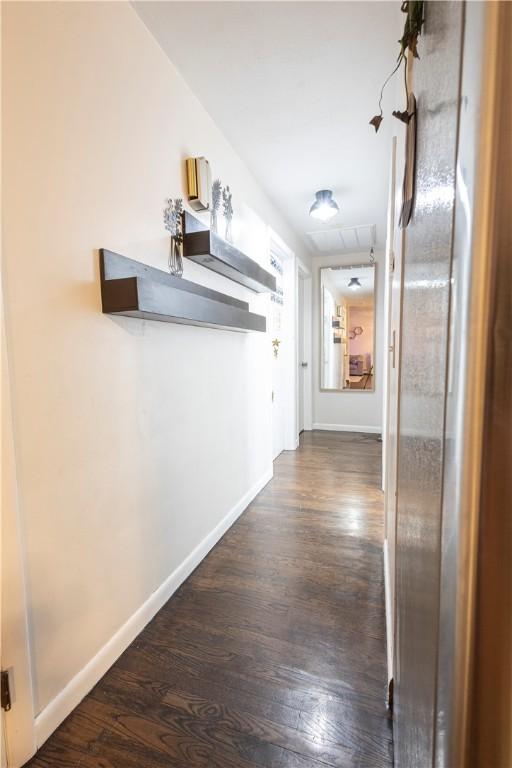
column 133, row 289
column 273, row 652
column 205, row 247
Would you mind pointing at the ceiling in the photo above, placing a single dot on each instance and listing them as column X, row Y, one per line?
column 340, row 278
column 292, row 85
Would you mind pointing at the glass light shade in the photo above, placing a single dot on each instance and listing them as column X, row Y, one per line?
column 324, row 207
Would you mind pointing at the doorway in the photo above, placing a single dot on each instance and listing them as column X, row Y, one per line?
column 395, row 247
column 290, row 345
column 279, row 335
column 304, row 353
column 303, row 362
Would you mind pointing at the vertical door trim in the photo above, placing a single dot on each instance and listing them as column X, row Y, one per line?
column 304, row 275
column 390, row 238
column 288, row 350
column 474, row 252
column 18, row 725
column 389, row 536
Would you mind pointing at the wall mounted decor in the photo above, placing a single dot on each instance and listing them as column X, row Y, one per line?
column 205, row 247
column 216, row 198
column 173, row 214
column 276, row 264
column 227, row 206
column 408, row 42
column 134, row 289
column 277, row 296
column 275, row 345
column 198, row 183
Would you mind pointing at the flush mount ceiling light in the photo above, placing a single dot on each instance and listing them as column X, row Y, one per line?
column 354, row 284
column 324, row 207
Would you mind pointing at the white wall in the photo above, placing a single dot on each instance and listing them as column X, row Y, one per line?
column 133, row 439
column 351, row 409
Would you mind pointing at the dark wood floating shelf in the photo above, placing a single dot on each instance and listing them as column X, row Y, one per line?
column 205, row 247
column 134, row 289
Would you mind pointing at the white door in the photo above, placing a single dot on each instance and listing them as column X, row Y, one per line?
column 277, row 350
column 277, row 395
column 283, row 336
column 394, row 253
column 302, row 361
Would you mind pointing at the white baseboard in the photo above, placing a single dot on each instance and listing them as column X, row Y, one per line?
column 389, row 611
column 347, row 428
column 64, row 703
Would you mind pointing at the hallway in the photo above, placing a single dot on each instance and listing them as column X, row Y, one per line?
column 272, row 653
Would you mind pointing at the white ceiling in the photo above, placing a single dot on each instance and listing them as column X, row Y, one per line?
column 337, row 239
column 340, row 278
column 292, row 85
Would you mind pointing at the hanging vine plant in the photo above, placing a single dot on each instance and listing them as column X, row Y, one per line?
column 408, row 43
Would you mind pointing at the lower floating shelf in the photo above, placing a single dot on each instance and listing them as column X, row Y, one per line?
column 134, row 289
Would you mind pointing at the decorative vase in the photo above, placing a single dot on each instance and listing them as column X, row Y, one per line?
column 175, row 258
column 213, row 220
column 216, row 199
column 227, row 205
column 173, row 220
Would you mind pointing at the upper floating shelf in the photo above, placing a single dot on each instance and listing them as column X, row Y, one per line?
column 205, row 247
column 134, row 289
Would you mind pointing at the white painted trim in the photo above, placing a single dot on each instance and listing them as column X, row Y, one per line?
column 388, row 295
column 289, row 334
column 347, row 428
column 389, row 611
column 288, row 351
column 306, row 272
column 64, row 703
column 18, row 737
column 304, row 275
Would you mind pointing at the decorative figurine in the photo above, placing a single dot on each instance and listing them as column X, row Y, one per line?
column 228, row 212
column 174, row 224
column 216, row 197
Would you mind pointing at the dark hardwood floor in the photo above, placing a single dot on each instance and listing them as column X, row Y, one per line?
column 272, row 653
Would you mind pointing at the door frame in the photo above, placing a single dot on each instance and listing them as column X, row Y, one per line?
column 394, row 252
column 304, row 323
column 18, row 725
column 473, row 698
column 388, row 272
column 288, row 348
